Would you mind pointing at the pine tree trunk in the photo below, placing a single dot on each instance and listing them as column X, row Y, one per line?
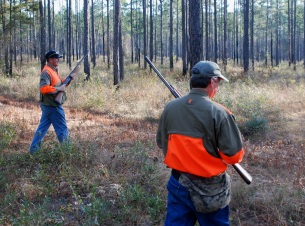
column 121, row 51
column 131, row 31
column 144, row 31
column 171, row 30
column 42, row 36
column 93, row 59
column 294, row 33
column 184, row 43
column 151, row 31
column 215, row 33
column 195, row 32
column 49, row 25
column 161, row 30
column 225, row 44
column 116, row 43
column 252, row 34
column 246, row 36
column 108, row 35
column 207, row 49
column 86, row 39
column 69, row 33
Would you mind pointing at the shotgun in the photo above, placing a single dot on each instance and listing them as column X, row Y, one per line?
column 239, row 169
column 69, row 78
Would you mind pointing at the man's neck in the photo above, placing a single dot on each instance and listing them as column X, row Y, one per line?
column 205, row 90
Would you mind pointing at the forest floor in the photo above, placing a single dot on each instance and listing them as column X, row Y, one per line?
column 275, row 197
column 112, row 130
column 266, row 160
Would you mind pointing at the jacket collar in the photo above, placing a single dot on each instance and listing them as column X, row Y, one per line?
column 199, row 92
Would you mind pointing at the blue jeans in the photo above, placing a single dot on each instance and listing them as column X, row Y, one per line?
column 181, row 210
column 56, row 117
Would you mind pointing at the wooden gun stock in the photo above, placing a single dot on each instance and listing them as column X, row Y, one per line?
column 58, row 98
column 239, row 169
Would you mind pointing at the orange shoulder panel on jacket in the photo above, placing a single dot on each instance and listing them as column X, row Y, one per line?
column 47, row 89
column 227, row 110
column 237, row 158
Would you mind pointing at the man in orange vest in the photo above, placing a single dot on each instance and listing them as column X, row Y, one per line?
column 52, row 112
column 199, row 138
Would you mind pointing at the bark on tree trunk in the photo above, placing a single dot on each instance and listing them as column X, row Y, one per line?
column 86, row 37
column 195, row 32
column 42, row 36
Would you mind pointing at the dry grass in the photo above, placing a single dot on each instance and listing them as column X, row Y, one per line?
column 112, row 172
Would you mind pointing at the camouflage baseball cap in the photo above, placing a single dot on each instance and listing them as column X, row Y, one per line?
column 207, row 69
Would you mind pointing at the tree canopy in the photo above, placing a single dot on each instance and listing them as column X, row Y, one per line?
column 266, row 32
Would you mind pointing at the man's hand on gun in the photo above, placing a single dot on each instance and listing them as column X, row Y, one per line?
column 61, row 88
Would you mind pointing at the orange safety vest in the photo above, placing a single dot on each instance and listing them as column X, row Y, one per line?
column 48, row 81
column 54, row 78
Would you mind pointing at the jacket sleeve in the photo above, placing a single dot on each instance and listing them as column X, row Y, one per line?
column 230, row 141
column 162, row 137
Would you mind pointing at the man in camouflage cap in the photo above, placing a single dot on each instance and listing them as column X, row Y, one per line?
column 199, row 138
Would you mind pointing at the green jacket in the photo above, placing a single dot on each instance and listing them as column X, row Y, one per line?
column 199, row 137
column 195, row 117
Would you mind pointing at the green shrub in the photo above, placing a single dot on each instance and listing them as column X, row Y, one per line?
column 252, row 108
column 136, row 200
column 96, row 210
column 7, row 134
column 253, row 115
column 255, row 125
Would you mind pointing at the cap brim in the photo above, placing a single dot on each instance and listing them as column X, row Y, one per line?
column 55, row 55
column 218, row 74
column 223, row 77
